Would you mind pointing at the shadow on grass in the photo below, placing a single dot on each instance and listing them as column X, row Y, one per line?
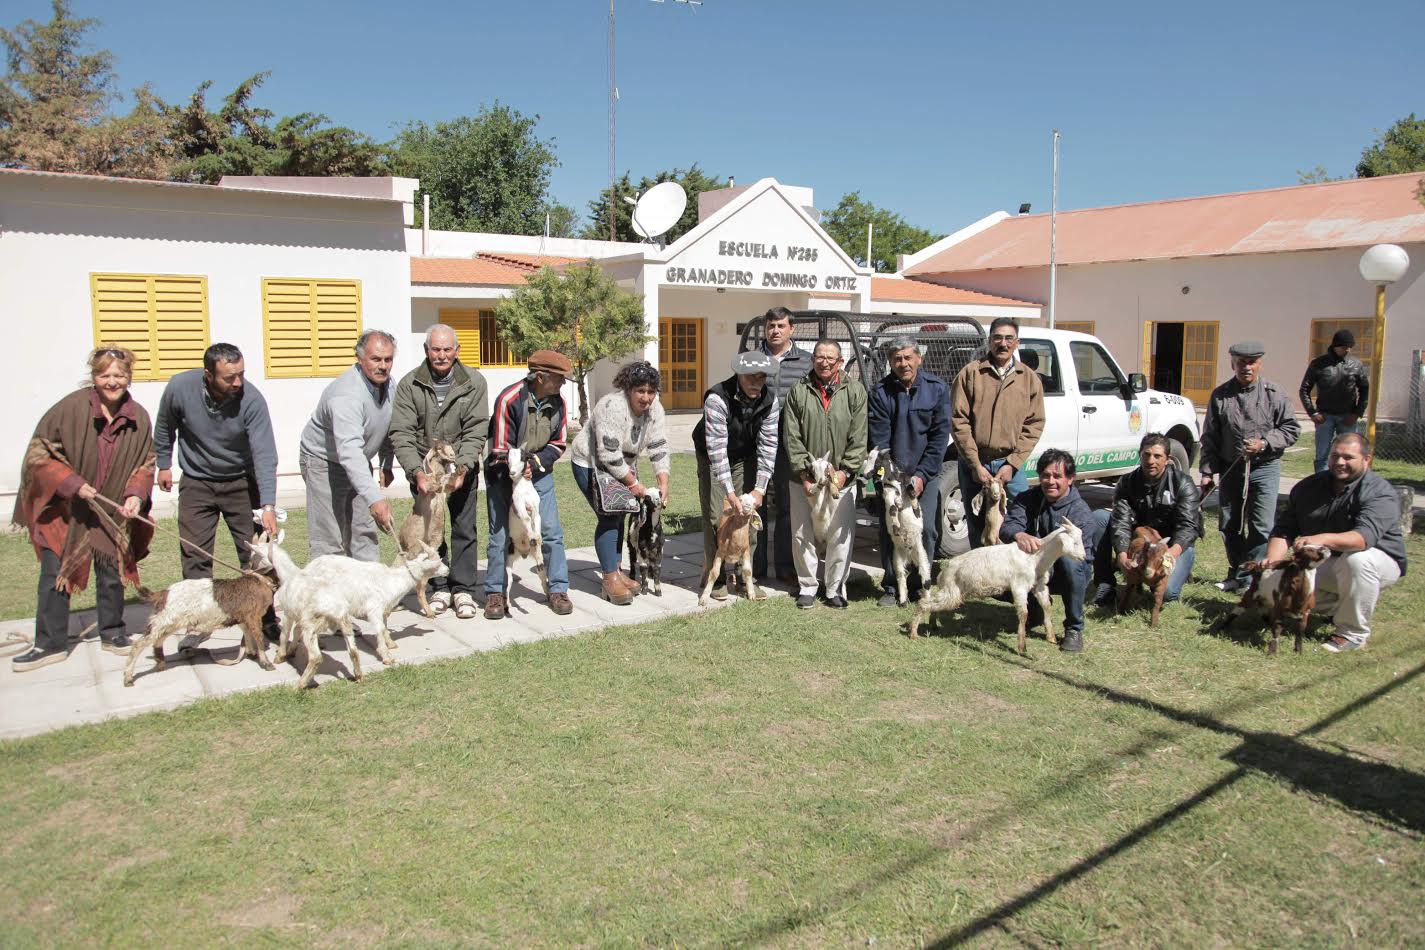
column 1393, row 794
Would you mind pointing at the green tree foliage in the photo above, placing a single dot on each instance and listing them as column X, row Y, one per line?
column 846, row 223
column 563, row 220
column 54, row 94
column 1400, row 149
column 488, row 172
column 582, row 313
column 1314, row 176
column 239, row 139
column 694, row 181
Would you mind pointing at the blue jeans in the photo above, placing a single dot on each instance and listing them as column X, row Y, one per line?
column 1070, row 580
column 608, row 531
column 1247, row 542
column 1104, row 560
column 969, row 488
column 1328, row 430
column 930, row 513
column 497, row 506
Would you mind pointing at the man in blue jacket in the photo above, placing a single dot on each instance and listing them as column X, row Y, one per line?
column 908, row 414
column 1033, row 515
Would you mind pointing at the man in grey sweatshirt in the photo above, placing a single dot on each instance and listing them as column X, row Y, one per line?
column 222, row 431
column 344, row 503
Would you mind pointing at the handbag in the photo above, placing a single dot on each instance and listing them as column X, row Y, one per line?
column 611, row 496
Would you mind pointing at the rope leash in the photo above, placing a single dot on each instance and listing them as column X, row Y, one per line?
column 181, row 540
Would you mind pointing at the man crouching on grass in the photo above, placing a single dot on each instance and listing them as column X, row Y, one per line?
column 1354, row 512
column 1033, row 515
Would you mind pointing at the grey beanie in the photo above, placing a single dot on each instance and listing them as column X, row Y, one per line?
column 752, row 361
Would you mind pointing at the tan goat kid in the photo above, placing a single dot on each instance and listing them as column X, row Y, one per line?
column 734, row 546
column 425, row 525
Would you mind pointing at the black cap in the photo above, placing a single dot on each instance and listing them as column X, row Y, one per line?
column 1343, row 338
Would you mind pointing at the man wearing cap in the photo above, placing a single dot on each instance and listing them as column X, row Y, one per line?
column 790, row 363
column 1342, row 386
column 345, row 505
column 1249, row 425
column 737, row 446
column 528, row 415
column 908, row 421
column 443, row 399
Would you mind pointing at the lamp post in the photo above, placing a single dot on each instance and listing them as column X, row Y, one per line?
column 1381, row 265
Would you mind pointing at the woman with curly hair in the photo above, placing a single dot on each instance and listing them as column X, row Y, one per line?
column 96, row 441
column 625, row 423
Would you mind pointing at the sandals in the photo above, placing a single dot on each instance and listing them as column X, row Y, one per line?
column 464, row 606
column 440, row 601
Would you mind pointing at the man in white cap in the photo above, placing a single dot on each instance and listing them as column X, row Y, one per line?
column 1249, row 425
column 737, row 446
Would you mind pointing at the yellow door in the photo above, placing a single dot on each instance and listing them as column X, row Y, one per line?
column 1199, row 360
column 680, row 360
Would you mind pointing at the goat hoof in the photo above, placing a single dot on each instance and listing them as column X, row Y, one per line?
column 128, row 681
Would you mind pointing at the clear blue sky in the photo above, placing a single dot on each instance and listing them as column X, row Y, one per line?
column 940, row 111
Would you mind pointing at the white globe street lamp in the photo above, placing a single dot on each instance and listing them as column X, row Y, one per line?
column 1381, row 265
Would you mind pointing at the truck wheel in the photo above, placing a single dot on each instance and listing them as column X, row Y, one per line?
column 1179, row 455
column 954, row 532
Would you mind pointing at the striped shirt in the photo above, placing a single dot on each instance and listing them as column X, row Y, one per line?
column 715, row 422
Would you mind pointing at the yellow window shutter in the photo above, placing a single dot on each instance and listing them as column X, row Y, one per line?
column 163, row 318
column 466, row 324
column 309, row 326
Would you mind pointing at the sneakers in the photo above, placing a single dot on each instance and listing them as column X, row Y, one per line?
column 494, row 606
column 465, row 606
column 1073, row 641
column 439, row 601
column 806, row 601
column 120, row 645
column 720, row 592
column 838, row 602
column 35, row 658
column 1103, row 595
column 1341, row 644
column 1231, row 584
column 887, row 600
column 559, row 603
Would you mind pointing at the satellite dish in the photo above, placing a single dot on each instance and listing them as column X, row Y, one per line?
column 659, row 208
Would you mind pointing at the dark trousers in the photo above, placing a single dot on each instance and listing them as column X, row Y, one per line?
column 776, row 521
column 200, row 503
column 930, row 514
column 460, row 553
column 1245, row 529
column 1070, row 580
column 52, row 612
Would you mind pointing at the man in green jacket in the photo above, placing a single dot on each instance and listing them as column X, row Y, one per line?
column 824, row 418
column 443, row 399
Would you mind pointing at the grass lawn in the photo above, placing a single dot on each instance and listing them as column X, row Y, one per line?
column 19, row 571
column 1300, row 461
column 759, row 775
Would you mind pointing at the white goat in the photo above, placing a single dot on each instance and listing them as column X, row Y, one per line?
column 985, row 572
column 526, row 533
column 823, row 500
column 906, row 526
column 333, row 590
column 993, row 500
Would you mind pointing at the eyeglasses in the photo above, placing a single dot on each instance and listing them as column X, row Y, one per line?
column 1001, row 338
column 110, row 351
column 826, row 359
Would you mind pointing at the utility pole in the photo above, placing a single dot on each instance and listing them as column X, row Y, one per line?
column 613, row 136
column 1053, row 231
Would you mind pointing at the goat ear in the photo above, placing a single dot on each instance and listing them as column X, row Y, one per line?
column 977, row 503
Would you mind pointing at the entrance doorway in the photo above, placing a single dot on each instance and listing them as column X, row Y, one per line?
column 680, row 361
column 1182, row 357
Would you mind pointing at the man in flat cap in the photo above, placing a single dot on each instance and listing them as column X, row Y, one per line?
column 1342, row 386
column 737, row 447
column 528, row 415
column 1249, row 425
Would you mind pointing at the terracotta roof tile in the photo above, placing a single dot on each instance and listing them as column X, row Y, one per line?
column 465, row 270
column 529, row 262
column 1357, row 212
column 893, row 289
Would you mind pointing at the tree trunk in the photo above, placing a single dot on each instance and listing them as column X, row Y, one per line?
column 579, row 373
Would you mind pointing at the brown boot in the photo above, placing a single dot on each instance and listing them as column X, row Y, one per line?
column 614, row 592
column 630, row 585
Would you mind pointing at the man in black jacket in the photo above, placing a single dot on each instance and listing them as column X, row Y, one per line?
column 1033, row 515
column 1155, row 495
column 1342, row 389
column 1356, row 513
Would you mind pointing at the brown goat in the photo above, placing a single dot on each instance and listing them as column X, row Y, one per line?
column 205, row 607
column 425, row 525
column 1285, row 590
column 734, row 546
column 1149, row 565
